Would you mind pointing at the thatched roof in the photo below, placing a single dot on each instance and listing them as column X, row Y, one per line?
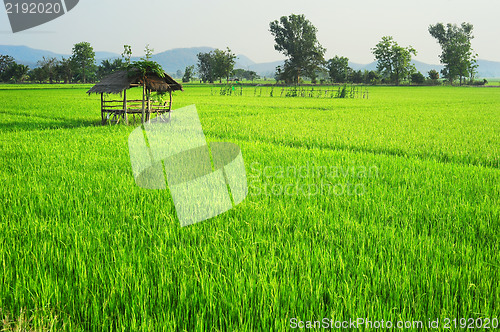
column 121, row 80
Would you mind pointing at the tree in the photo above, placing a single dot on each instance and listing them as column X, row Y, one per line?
column 126, row 54
column 457, row 54
column 188, row 74
column 206, row 67
column 37, row 75
column 48, row 66
column 244, row 74
column 417, row 78
column 295, row 37
column 5, row 62
column 373, row 77
column 107, row 67
column 250, row 75
column 433, row 74
column 216, row 64
column 84, row 59
column 66, row 68
column 17, row 72
column 224, row 63
column 338, row 69
column 356, row 76
column 148, row 53
column 394, row 61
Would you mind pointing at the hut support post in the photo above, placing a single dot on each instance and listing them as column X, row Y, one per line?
column 125, row 115
column 149, row 106
column 170, row 102
column 143, row 101
column 102, row 108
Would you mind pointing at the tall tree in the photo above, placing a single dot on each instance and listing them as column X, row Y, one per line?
column 37, row 75
column 48, row 66
column 295, row 37
column 17, row 72
column 224, row 63
column 338, row 69
column 5, row 62
column 394, row 61
column 457, row 54
column 206, row 67
column 66, row 68
column 188, row 74
column 84, row 58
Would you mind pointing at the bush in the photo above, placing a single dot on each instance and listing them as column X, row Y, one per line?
column 483, row 82
column 417, row 78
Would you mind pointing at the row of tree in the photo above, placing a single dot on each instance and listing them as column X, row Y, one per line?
column 296, row 38
column 79, row 67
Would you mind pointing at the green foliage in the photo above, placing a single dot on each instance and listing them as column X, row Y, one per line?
column 295, row 37
column 457, row 54
column 206, row 67
column 217, row 64
column 49, row 68
column 241, row 74
column 417, row 78
column 84, row 59
column 394, row 61
column 109, row 66
column 127, row 54
column 66, row 69
column 188, row 74
column 338, row 69
column 145, row 68
column 5, row 62
column 148, row 53
column 433, row 74
column 16, row 72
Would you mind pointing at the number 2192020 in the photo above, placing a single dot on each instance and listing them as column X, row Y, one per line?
column 471, row 323
column 33, row 8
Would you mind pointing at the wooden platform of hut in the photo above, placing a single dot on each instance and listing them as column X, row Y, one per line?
column 114, row 110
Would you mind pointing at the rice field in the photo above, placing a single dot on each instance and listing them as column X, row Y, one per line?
column 380, row 208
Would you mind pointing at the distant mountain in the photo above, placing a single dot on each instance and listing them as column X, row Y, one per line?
column 27, row 55
column 488, row 69
column 243, row 62
column 180, row 58
column 106, row 56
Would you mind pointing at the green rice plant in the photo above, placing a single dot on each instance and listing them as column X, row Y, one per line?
column 383, row 208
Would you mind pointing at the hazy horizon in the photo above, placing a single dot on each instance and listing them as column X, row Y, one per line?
column 346, row 29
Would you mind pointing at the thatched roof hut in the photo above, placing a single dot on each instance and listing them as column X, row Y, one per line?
column 122, row 80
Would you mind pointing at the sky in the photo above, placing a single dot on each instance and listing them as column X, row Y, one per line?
column 345, row 28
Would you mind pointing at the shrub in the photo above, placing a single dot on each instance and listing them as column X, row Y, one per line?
column 417, row 78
